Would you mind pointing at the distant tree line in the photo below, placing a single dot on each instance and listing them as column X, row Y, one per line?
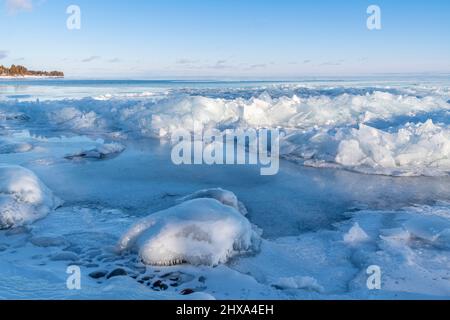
column 15, row 71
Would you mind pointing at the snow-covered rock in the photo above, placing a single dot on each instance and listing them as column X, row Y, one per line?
column 226, row 197
column 23, row 197
column 101, row 152
column 197, row 232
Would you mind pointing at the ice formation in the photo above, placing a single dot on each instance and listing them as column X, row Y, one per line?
column 197, row 232
column 415, row 149
column 410, row 245
column 318, row 122
column 288, row 112
column 23, row 197
column 74, row 119
column 284, row 109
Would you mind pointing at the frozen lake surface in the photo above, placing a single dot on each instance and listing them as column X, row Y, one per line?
column 363, row 181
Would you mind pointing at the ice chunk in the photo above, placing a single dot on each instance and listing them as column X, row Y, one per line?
column 288, row 111
column 14, row 116
column 15, row 148
column 198, row 232
column 355, row 235
column 72, row 118
column 104, row 151
column 226, row 197
column 23, row 197
column 414, row 150
column 305, row 283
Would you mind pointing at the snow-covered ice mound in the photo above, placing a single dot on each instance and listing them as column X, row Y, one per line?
column 102, row 152
column 197, row 232
column 23, row 197
column 226, row 197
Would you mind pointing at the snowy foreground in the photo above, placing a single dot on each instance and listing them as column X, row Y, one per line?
column 86, row 180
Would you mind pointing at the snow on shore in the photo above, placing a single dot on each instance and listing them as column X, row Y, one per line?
column 410, row 246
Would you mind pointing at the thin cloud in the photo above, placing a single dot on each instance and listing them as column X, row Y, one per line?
column 3, row 54
column 221, row 64
column 258, row 66
column 186, row 61
column 91, row 58
column 114, row 60
column 332, row 63
column 14, row 6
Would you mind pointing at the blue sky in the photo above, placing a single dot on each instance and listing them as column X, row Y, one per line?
column 226, row 38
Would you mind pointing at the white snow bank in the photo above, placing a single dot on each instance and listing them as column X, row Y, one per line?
column 415, row 149
column 103, row 151
column 226, row 197
column 410, row 246
column 23, row 197
column 197, row 232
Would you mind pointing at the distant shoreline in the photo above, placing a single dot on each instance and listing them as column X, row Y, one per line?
column 18, row 71
column 29, row 77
